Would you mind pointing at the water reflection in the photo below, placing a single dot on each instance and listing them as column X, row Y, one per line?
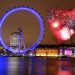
column 13, row 66
column 65, row 67
column 3, row 66
column 36, row 66
column 23, row 66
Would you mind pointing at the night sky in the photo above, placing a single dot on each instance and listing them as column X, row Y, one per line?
column 28, row 22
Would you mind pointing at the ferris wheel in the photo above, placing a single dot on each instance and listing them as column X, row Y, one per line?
column 41, row 25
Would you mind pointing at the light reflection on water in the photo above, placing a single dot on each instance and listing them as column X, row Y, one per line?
column 36, row 66
column 12, row 66
column 65, row 67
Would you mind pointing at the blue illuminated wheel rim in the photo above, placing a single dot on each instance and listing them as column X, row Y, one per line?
column 40, row 23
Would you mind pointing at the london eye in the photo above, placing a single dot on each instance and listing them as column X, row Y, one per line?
column 40, row 23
